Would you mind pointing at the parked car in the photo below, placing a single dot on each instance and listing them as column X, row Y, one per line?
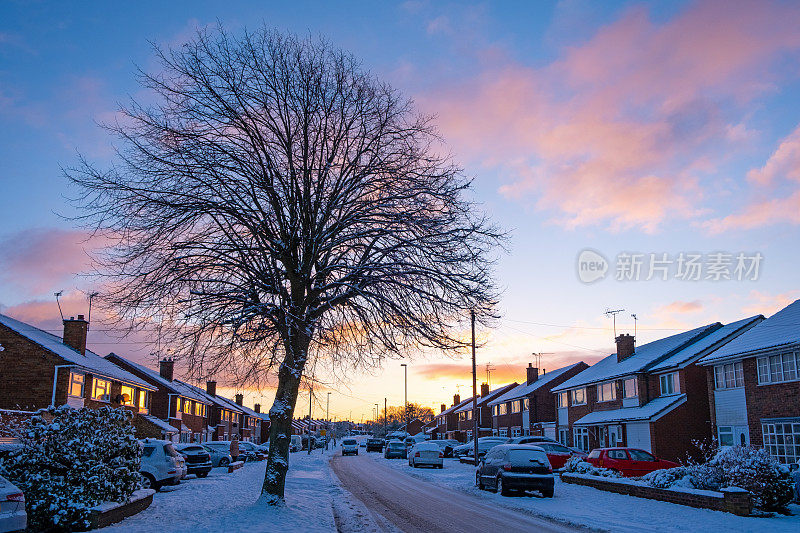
column 509, row 467
column 198, row 460
column 349, row 447
column 161, row 464
column 531, row 439
column 630, row 462
column 220, row 455
column 464, row 449
column 395, row 448
column 425, row 453
column 296, row 443
column 224, row 446
column 251, row 451
column 375, row 445
column 446, row 445
column 12, row 507
column 558, row 454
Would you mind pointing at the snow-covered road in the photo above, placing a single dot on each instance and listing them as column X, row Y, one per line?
column 412, row 505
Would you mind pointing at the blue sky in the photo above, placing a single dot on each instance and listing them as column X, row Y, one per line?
column 629, row 126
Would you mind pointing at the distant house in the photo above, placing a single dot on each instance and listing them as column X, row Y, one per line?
column 754, row 386
column 465, row 413
column 225, row 418
column 447, row 419
column 178, row 404
column 39, row 369
column 653, row 397
column 530, row 408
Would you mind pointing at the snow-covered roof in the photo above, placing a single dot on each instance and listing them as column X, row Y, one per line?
column 161, row 424
column 488, row 398
column 780, row 330
column 219, row 401
column 454, row 407
column 645, row 356
column 90, row 362
column 653, row 408
column 714, row 340
column 176, row 386
column 520, row 391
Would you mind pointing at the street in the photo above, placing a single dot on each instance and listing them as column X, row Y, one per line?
column 413, row 505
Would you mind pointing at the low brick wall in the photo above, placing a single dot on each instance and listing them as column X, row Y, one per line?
column 110, row 513
column 236, row 465
column 731, row 500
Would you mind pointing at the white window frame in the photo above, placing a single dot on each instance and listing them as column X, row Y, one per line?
column 516, row 432
column 574, row 400
column 580, row 436
column 725, row 436
column 782, row 440
column 729, row 376
column 503, row 432
column 563, row 436
column 779, row 368
column 74, row 381
column 602, row 388
column 132, row 401
column 107, row 389
column 563, row 400
column 630, row 387
column 143, row 397
column 670, row 378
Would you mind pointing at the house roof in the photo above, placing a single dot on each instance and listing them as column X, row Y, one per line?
column 219, row 401
column 482, row 400
column 176, row 386
column 524, row 389
column 454, row 407
column 710, row 342
column 646, row 355
column 161, row 424
column 90, row 362
column 780, row 330
column 652, row 409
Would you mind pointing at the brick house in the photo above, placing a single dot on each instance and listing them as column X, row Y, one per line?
column 250, row 429
column 653, row 397
column 465, row 413
column 265, row 424
column 447, row 419
column 529, row 408
column 224, row 417
column 754, row 386
column 173, row 401
column 39, row 369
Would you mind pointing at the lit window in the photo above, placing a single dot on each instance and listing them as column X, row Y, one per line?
column 669, row 384
column 778, row 368
column 728, row 376
column 502, row 409
column 198, row 409
column 562, row 399
column 76, row 382
column 630, row 388
column 606, row 392
column 578, row 396
column 143, row 401
column 127, row 395
column 101, row 390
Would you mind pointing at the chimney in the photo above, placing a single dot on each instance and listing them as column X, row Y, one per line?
column 75, row 333
column 165, row 368
column 484, row 390
column 456, row 399
column 239, row 399
column 211, row 388
column 257, row 408
column 443, row 408
column 625, row 347
column 533, row 373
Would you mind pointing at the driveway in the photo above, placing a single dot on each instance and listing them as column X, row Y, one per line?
column 412, row 505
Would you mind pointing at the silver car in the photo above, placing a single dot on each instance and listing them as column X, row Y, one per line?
column 220, row 455
column 426, row 453
column 12, row 507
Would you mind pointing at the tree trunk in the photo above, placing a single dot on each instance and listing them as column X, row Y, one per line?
column 280, row 416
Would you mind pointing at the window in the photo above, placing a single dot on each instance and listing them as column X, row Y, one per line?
column 469, row 434
column 76, row 382
column 578, row 396
column 618, row 454
column 516, row 406
column 516, row 432
column 729, row 376
column 526, row 404
column 101, row 390
column 562, row 399
column 640, row 455
column 563, row 435
column 669, row 384
column 502, row 409
column 581, row 438
column 782, row 440
column 198, row 409
column 606, row 392
column 725, row 434
column 504, row 432
column 128, row 395
column 630, row 388
column 143, row 401
column 778, row 368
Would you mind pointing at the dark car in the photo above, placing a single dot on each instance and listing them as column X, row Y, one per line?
column 198, row 460
column 395, row 449
column 530, row 439
column 375, row 445
column 630, row 462
column 484, row 445
column 446, row 446
column 510, row 467
column 465, row 449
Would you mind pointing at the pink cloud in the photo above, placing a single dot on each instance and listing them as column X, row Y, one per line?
column 682, row 307
column 784, row 163
column 768, row 304
column 621, row 130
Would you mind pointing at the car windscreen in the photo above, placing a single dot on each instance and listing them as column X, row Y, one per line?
column 349, row 442
column 526, row 457
column 396, row 445
column 192, row 449
column 594, row 454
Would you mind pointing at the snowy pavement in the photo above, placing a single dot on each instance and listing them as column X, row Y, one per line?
column 595, row 509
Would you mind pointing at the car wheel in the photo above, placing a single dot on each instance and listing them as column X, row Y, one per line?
column 224, row 462
column 148, row 482
column 500, row 487
column 479, row 482
column 547, row 493
column 202, row 474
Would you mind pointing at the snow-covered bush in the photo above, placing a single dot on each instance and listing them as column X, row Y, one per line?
column 754, row 470
column 71, row 460
column 666, row 478
column 576, row 465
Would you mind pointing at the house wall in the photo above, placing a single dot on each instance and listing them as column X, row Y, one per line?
column 776, row 400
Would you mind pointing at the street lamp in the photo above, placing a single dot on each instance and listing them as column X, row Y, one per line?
column 405, row 399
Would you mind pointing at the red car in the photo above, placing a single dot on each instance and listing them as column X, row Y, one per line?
column 630, row 462
column 557, row 453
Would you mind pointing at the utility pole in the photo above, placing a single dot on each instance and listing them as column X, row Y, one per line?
column 474, row 392
column 405, row 400
column 328, row 420
column 308, row 427
column 385, row 421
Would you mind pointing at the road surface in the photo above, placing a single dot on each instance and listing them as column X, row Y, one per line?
column 412, row 505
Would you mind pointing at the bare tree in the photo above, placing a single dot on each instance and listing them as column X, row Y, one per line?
column 277, row 203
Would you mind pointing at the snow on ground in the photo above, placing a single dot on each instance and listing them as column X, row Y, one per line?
column 598, row 509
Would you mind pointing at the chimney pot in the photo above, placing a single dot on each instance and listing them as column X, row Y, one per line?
column 443, row 408
column 257, row 408
column 211, row 388
column 239, row 399
column 75, row 334
column 166, row 368
column 625, row 347
column 484, row 390
column 80, row 317
column 533, row 373
column 456, row 399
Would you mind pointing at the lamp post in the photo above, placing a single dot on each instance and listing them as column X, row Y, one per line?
column 405, row 396
column 328, row 419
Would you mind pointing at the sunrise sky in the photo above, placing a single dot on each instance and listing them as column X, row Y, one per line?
column 620, row 127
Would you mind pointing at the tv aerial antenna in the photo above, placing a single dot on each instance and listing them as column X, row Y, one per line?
column 613, row 314
column 57, row 295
